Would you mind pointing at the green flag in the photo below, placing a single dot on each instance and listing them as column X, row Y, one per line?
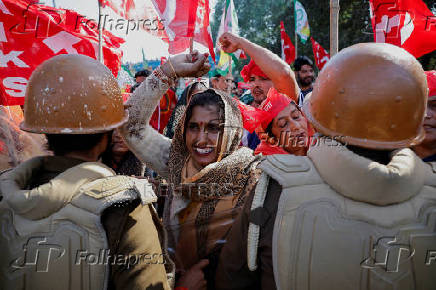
column 301, row 22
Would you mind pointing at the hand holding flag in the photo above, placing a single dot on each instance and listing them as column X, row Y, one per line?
column 229, row 42
column 187, row 65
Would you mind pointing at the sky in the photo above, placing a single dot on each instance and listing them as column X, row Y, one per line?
column 154, row 48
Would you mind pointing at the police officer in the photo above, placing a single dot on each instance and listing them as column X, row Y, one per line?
column 68, row 222
column 359, row 211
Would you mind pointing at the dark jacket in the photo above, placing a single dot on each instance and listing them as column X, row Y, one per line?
column 233, row 272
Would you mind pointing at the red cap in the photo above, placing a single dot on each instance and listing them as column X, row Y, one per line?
column 273, row 105
column 431, row 82
column 252, row 69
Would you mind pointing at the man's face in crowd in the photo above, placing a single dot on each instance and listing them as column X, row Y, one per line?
column 430, row 121
column 139, row 79
column 290, row 127
column 222, row 83
column 306, row 75
column 259, row 87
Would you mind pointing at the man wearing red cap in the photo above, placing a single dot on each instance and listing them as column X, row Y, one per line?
column 427, row 149
column 265, row 70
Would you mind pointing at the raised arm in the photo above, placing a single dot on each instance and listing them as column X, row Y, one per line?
column 146, row 143
column 273, row 66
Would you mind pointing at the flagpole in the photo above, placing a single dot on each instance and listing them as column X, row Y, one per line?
column 295, row 29
column 191, row 44
column 334, row 17
column 100, row 33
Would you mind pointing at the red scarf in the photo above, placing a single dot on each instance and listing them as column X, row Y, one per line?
column 267, row 149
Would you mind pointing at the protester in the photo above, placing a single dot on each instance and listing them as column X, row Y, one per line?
column 270, row 71
column 140, row 76
column 207, row 172
column 427, row 149
column 221, row 82
column 236, row 90
column 121, row 159
column 180, row 108
column 319, row 220
column 264, row 71
column 72, row 203
column 304, row 72
column 287, row 129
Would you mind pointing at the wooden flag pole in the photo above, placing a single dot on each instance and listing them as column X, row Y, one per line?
column 100, row 35
column 191, row 45
column 334, row 24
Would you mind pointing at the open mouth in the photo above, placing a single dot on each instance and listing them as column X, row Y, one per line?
column 257, row 92
column 203, row 151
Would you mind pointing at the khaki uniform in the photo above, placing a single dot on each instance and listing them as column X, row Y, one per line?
column 69, row 224
column 342, row 222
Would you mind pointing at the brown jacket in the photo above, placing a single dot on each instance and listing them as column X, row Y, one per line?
column 131, row 228
column 233, row 272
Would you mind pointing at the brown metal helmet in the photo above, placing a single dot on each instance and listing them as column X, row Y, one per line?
column 72, row 94
column 372, row 95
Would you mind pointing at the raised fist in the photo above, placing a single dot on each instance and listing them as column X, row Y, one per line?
column 187, row 65
column 229, row 42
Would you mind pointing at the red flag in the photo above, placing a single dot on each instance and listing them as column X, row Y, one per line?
column 288, row 49
column 405, row 23
column 142, row 11
column 321, row 55
column 252, row 117
column 163, row 112
column 202, row 32
column 179, row 16
column 32, row 33
column 186, row 19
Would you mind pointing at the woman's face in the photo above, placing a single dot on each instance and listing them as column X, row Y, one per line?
column 290, row 130
column 203, row 135
column 119, row 147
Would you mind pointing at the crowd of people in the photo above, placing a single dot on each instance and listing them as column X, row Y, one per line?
column 294, row 184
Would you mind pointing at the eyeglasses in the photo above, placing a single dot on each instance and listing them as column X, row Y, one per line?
column 209, row 128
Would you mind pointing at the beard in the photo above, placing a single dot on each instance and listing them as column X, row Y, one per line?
column 307, row 81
